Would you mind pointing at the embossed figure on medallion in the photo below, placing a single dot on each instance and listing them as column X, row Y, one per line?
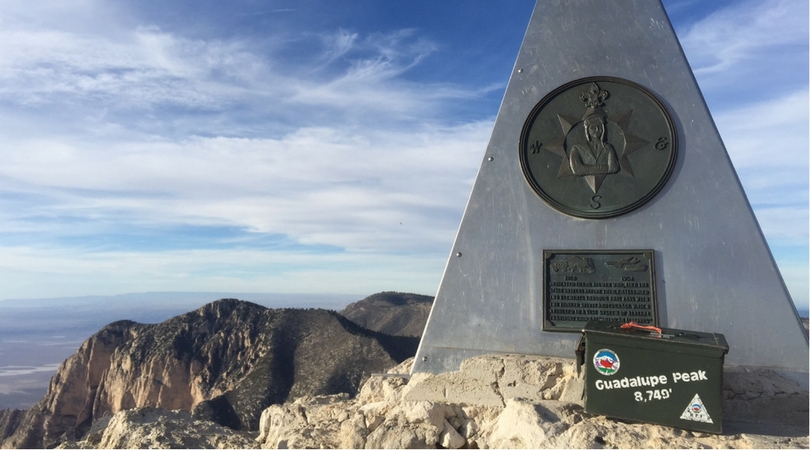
column 596, row 157
column 604, row 161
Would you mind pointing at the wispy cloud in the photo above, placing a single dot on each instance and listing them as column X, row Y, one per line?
column 127, row 163
column 747, row 41
column 767, row 142
column 337, row 45
column 139, row 157
column 288, row 185
column 751, row 60
column 744, row 31
column 234, row 270
column 154, row 82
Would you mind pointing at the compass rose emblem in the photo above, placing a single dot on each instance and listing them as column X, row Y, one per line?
column 598, row 147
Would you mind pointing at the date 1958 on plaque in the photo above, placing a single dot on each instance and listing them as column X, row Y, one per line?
column 598, row 147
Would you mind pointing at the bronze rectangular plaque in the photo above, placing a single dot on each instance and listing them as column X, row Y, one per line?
column 583, row 285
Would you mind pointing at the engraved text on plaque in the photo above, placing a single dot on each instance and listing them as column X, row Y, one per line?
column 616, row 285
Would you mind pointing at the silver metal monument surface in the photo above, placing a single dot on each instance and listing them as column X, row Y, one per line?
column 606, row 192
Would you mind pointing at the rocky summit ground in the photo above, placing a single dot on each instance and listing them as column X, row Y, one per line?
column 225, row 363
column 494, row 401
column 236, row 375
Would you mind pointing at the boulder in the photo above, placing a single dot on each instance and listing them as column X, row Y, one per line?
column 148, row 427
column 511, row 401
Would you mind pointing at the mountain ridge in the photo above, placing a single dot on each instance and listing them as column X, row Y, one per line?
column 395, row 313
column 224, row 362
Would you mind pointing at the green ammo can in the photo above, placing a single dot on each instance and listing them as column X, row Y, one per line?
column 672, row 377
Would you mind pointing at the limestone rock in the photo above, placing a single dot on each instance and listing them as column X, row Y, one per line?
column 226, row 362
column 312, row 378
column 489, row 380
column 450, row 438
column 538, row 408
column 521, row 425
column 10, row 420
column 66, row 411
column 148, row 427
column 383, row 416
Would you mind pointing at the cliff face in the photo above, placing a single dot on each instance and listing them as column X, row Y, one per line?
column 10, row 420
column 67, row 407
column 394, row 313
column 226, row 362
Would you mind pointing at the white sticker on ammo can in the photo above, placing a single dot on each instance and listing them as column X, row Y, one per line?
column 696, row 411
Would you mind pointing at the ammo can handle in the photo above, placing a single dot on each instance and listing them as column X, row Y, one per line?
column 635, row 326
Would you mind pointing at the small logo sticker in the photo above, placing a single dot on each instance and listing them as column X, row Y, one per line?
column 696, row 412
column 606, row 361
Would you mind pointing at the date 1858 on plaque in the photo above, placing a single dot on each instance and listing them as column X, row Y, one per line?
column 598, row 147
column 615, row 285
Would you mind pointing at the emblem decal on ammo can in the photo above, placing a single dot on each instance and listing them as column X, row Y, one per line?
column 606, row 361
column 696, row 411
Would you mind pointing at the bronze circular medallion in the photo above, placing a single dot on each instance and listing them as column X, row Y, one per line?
column 598, row 147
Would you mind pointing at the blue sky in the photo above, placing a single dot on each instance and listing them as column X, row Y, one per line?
column 317, row 146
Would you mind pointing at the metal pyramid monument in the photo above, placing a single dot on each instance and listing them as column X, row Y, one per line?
column 606, row 192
